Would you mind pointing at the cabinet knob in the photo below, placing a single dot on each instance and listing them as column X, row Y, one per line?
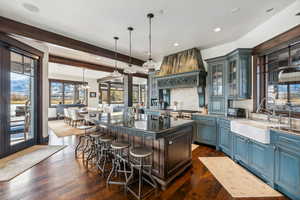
column 170, row 142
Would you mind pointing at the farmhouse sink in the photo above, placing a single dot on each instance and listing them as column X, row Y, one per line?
column 256, row 130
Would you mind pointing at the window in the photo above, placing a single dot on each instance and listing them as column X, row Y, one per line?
column 280, row 94
column 66, row 92
column 115, row 92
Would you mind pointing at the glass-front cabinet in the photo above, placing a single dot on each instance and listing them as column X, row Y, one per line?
column 239, row 74
column 229, row 77
column 216, row 83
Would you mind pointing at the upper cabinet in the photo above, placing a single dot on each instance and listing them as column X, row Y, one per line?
column 229, row 77
column 239, row 74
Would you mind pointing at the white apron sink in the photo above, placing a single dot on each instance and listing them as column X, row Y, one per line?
column 255, row 130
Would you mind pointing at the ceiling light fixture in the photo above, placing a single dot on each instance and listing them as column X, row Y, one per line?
column 234, row 10
column 150, row 65
column 218, row 29
column 98, row 58
column 30, row 7
column 84, row 85
column 129, row 69
column 298, row 14
column 269, row 10
column 116, row 73
column 176, row 44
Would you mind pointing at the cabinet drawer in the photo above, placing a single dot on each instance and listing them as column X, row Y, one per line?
column 224, row 123
column 208, row 121
column 287, row 140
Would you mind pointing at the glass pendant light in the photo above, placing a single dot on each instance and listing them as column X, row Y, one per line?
column 150, row 65
column 116, row 73
column 84, row 86
column 129, row 69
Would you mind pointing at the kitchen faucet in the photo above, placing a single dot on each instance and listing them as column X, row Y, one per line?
column 273, row 113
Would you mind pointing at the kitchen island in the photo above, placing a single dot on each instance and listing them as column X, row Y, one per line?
column 169, row 138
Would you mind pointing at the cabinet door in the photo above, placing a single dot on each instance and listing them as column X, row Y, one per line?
column 225, row 140
column 261, row 159
column 217, row 105
column 287, row 172
column 217, row 79
column 240, row 149
column 206, row 134
column 244, row 77
column 233, row 86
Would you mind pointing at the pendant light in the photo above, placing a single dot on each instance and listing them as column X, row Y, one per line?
column 150, row 65
column 129, row 69
column 116, row 73
column 84, row 86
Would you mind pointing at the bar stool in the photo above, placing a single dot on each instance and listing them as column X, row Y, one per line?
column 82, row 138
column 144, row 171
column 104, row 154
column 120, row 153
column 93, row 151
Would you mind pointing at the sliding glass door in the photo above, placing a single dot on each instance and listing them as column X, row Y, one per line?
column 19, row 99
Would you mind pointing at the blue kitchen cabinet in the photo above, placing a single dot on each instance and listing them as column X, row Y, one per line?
column 255, row 156
column 225, row 142
column 287, row 163
column 240, row 149
column 206, row 130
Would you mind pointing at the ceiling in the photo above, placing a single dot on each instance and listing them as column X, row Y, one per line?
column 188, row 23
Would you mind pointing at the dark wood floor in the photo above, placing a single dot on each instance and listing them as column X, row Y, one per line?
column 63, row 177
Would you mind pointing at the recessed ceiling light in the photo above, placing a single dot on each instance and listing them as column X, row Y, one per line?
column 176, row 44
column 298, row 14
column 98, row 58
column 269, row 10
column 234, row 10
column 30, row 7
column 218, row 29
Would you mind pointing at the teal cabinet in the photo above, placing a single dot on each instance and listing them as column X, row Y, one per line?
column 206, row 130
column 287, row 163
column 216, row 85
column 240, row 149
column 225, row 137
column 239, row 74
column 255, row 156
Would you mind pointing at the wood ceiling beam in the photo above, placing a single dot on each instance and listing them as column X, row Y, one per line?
column 92, row 66
column 278, row 40
column 13, row 27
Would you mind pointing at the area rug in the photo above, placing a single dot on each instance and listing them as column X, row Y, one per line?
column 236, row 180
column 194, row 146
column 61, row 129
column 17, row 163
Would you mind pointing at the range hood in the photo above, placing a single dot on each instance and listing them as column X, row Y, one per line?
column 184, row 69
column 289, row 74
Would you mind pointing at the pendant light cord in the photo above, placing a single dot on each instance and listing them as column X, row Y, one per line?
column 150, row 47
column 116, row 54
column 130, row 59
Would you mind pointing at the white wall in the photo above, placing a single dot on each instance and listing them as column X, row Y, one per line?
column 187, row 98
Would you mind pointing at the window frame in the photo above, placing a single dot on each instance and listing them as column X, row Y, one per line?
column 76, row 84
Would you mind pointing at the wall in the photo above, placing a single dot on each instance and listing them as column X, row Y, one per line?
column 187, row 98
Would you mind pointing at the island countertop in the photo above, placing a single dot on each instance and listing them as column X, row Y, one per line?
column 148, row 125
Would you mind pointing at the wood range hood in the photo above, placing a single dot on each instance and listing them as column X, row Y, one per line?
column 184, row 69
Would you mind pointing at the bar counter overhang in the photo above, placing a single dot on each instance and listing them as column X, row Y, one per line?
column 169, row 138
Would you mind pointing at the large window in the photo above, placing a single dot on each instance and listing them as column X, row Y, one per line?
column 66, row 92
column 113, row 93
column 279, row 94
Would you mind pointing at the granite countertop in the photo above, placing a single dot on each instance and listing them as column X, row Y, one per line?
column 152, row 124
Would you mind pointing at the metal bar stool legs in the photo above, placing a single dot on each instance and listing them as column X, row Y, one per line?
column 144, row 173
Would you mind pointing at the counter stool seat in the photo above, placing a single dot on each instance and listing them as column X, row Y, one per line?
column 140, row 152
column 106, row 138
column 119, row 145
